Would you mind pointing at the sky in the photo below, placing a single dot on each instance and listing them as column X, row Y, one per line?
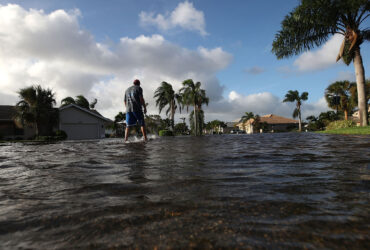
column 97, row 48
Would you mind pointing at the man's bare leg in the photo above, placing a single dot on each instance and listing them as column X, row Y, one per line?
column 144, row 133
column 126, row 133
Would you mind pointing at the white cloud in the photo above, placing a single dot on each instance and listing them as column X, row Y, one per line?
column 254, row 70
column 322, row 58
column 52, row 50
column 184, row 16
column 346, row 75
column 260, row 103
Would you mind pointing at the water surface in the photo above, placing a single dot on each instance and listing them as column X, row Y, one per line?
column 285, row 190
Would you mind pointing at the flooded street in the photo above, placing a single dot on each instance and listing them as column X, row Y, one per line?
column 288, row 190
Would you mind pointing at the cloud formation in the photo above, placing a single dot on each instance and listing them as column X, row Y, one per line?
column 52, row 50
column 184, row 16
column 260, row 103
column 322, row 58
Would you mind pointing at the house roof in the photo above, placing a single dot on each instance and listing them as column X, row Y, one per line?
column 7, row 112
column 91, row 112
column 230, row 124
column 275, row 119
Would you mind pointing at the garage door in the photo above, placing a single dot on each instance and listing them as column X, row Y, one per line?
column 81, row 131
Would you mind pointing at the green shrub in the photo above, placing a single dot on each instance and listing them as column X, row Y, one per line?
column 340, row 124
column 165, row 133
column 60, row 135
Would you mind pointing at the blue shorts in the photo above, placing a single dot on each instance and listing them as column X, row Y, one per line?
column 133, row 117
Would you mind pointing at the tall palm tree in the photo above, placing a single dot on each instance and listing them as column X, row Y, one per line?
column 338, row 96
column 36, row 108
column 293, row 96
column 197, row 127
column 312, row 22
column 193, row 95
column 166, row 96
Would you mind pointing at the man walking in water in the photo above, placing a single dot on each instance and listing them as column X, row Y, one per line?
column 133, row 101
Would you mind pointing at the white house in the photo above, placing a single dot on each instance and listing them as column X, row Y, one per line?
column 80, row 123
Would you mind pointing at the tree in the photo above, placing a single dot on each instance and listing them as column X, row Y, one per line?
column 247, row 116
column 215, row 126
column 80, row 100
column 293, row 96
column 338, row 96
column 193, row 95
column 166, row 96
column 68, row 100
column 181, row 129
column 312, row 22
column 197, row 127
column 36, row 108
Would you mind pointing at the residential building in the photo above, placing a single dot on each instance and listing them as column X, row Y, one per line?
column 9, row 129
column 81, row 124
column 273, row 123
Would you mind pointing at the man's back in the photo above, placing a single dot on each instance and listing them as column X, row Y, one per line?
column 132, row 98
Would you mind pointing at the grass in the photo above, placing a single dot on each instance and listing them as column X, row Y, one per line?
column 348, row 131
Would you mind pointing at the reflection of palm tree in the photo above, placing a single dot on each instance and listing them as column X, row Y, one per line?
column 312, row 22
column 293, row 96
column 36, row 107
column 338, row 95
column 193, row 95
column 166, row 96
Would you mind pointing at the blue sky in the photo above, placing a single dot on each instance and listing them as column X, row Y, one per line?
column 224, row 44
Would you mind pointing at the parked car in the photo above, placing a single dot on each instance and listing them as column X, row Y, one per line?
column 237, row 131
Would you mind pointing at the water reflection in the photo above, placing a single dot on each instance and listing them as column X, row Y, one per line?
column 263, row 191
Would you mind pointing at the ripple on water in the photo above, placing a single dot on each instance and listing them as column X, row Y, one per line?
column 292, row 190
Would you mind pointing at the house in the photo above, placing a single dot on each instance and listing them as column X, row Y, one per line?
column 229, row 126
column 273, row 123
column 80, row 123
column 9, row 129
column 356, row 116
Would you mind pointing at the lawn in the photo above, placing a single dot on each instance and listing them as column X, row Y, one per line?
column 349, row 131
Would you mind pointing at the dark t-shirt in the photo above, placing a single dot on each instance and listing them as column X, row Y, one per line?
column 132, row 98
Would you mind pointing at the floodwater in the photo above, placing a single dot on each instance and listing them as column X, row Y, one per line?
column 288, row 190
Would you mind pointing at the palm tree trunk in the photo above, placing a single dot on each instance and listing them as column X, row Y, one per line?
column 346, row 115
column 300, row 121
column 360, row 80
column 195, row 120
column 172, row 116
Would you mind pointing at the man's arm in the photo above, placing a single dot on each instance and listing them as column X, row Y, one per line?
column 142, row 101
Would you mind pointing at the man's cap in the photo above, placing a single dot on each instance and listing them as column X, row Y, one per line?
column 136, row 82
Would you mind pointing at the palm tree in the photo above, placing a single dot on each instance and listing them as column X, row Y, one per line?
column 166, row 96
column 338, row 96
column 36, row 108
column 293, row 96
column 80, row 100
column 247, row 116
column 312, row 22
column 68, row 100
column 193, row 95
column 198, row 126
